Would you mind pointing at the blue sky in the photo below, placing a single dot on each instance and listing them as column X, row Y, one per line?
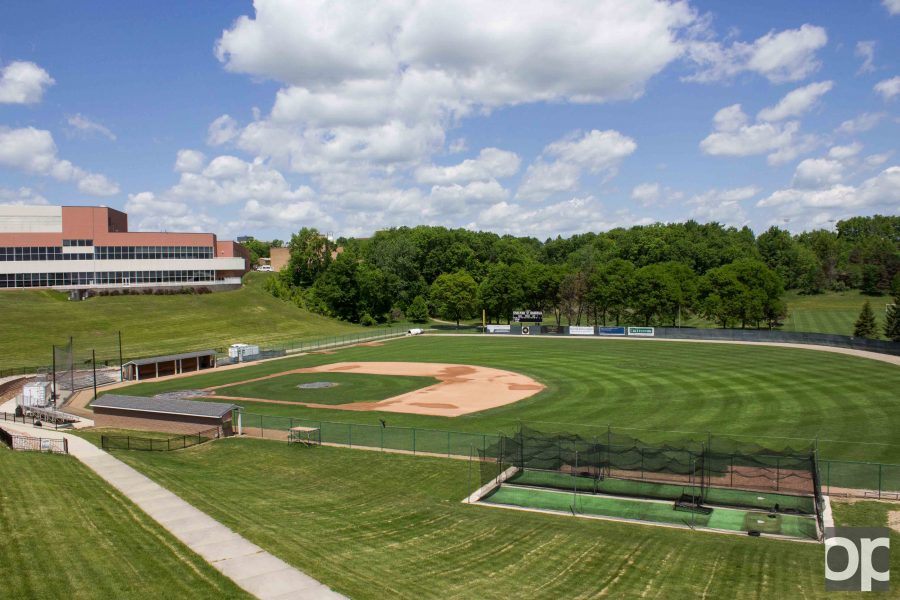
column 529, row 118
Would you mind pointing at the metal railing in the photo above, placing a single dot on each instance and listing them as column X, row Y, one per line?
column 27, row 443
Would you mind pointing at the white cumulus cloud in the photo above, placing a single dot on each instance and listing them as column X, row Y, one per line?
column 490, row 163
column 892, row 6
column 34, row 151
column 734, row 136
column 788, row 55
column 560, row 166
column 796, row 103
column 23, row 82
column 87, row 127
column 889, row 88
column 818, row 173
column 377, row 89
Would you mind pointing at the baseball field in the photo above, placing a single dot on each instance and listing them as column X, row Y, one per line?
column 772, row 395
column 371, row 524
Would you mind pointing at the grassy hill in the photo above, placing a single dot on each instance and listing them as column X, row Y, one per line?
column 833, row 312
column 35, row 320
column 67, row 534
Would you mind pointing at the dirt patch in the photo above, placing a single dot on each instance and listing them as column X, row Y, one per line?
column 463, row 389
column 894, row 520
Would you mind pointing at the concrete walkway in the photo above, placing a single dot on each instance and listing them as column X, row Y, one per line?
column 249, row 566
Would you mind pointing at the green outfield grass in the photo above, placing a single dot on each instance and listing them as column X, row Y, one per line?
column 351, row 387
column 850, row 403
column 655, row 512
column 375, row 525
column 153, row 325
column 65, row 533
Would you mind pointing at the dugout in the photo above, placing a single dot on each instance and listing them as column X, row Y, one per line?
column 170, row 364
column 161, row 414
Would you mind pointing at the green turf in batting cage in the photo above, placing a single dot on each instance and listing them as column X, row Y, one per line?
column 606, row 506
column 654, row 512
column 662, row 491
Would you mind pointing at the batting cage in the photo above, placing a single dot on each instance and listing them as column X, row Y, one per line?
column 719, row 483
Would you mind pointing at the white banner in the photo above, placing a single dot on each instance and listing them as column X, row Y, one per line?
column 498, row 328
column 641, row 331
column 580, row 330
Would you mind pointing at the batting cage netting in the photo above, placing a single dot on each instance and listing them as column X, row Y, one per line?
column 716, row 471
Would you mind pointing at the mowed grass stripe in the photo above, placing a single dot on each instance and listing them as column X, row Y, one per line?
column 67, row 534
column 719, row 388
column 373, row 525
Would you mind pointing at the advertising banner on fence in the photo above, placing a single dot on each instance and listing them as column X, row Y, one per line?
column 641, row 331
column 610, row 331
column 580, row 330
column 552, row 329
column 498, row 328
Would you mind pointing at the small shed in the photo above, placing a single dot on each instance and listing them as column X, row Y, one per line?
column 162, row 414
column 170, row 364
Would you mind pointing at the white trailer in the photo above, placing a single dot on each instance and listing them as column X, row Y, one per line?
column 242, row 351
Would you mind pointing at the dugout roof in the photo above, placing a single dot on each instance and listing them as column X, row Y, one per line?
column 170, row 357
column 193, row 408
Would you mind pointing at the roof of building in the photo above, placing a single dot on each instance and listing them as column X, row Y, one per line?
column 168, row 357
column 193, row 408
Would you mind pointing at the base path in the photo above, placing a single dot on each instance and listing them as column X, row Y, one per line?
column 249, row 566
column 463, row 389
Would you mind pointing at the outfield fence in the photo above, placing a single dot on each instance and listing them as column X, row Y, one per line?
column 131, row 442
column 326, row 343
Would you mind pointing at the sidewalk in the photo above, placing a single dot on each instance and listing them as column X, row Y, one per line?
column 249, row 566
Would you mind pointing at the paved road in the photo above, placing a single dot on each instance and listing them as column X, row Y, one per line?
column 249, row 566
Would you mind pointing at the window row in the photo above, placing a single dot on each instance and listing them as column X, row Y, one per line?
column 78, row 242
column 124, row 278
column 152, row 252
column 107, row 253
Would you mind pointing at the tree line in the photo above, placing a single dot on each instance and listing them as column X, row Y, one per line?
column 655, row 274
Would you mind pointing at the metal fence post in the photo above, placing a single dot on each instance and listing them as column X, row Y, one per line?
column 261, row 432
column 350, row 435
column 414, row 440
column 879, row 480
column 382, row 438
column 448, row 444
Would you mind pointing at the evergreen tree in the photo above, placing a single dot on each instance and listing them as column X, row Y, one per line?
column 892, row 321
column 865, row 326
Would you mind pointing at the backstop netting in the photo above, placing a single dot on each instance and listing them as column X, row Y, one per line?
column 75, row 367
column 717, row 471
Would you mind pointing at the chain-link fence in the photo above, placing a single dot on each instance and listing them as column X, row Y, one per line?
column 860, row 479
column 413, row 440
column 132, row 442
column 726, row 464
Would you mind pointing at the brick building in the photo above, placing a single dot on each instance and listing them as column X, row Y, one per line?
column 79, row 248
